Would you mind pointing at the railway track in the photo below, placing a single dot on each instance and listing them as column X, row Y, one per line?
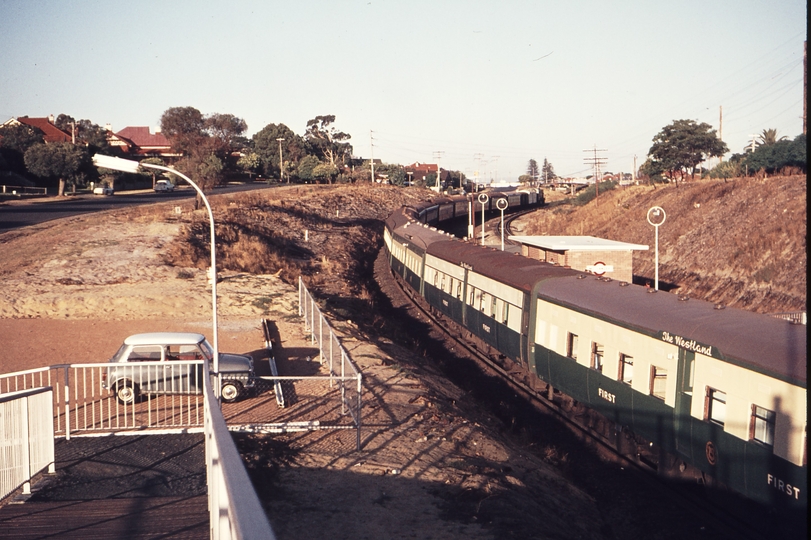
column 721, row 522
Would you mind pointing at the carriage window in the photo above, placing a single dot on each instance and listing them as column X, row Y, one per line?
column 658, row 382
column 494, row 307
column 571, row 346
column 505, row 312
column 716, row 406
column 597, row 352
column 763, row 425
column 459, row 290
column 626, row 368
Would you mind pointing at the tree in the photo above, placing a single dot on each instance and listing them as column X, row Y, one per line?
column 773, row 158
column 224, row 130
column 249, row 163
column 525, row 180
column 14, row 141
column 83, row 131
column 57, row 160
column 305, row 167
column 265, row 144
column 683, row 145
column 769, row 137
column 185, row 128
column 325, row 171
column 323, row 136
column 532, row 170
column 548, row 172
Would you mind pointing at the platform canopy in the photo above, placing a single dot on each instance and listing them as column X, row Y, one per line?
column 577, row 243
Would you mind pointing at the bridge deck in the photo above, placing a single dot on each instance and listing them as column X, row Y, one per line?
column 117, row 487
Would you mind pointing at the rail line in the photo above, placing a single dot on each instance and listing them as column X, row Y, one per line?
column 724, row 520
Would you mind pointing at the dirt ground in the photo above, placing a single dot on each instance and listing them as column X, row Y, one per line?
column 434, row 463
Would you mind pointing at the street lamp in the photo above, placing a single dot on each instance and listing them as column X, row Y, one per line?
column 126, row 165
column 656, row 217
column 281, row 163
column 483, row 199
column 502, row 205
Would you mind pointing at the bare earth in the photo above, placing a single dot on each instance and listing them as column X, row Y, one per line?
column 433, row 463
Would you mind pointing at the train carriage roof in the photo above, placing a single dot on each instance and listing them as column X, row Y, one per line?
column 767, row 344
column 511, row 269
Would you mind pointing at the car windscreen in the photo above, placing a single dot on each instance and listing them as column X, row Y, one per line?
column 119, row 355
column 205, row 346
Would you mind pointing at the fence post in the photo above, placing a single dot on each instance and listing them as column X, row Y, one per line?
column 67, row 402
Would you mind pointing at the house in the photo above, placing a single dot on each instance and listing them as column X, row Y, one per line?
column 599, row 256
column 420, row 171
column 138, row 142
column 46, row 125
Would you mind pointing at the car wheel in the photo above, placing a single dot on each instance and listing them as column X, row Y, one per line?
column 230, row 391
column 126, row 392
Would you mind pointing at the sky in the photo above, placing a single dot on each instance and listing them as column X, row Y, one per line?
column 479, row 86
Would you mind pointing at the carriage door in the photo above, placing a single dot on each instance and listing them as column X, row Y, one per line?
column 684, row 399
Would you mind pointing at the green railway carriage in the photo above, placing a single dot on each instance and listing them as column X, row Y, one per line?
column 720, row 390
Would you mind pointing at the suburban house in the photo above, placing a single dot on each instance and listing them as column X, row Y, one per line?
column 46, row 125
column 139, row 143
column 420, row 171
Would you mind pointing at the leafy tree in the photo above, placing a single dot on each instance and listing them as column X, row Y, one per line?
column 265, row 144
column 249, row 163
column 305, row 167
column 548, row 172
column 773, row 158
column 325, row 172
column 224, row 130
column 684, row 144
column 63, row 161
column 14, row 141
column 20, row 137
column 526, row 180
column 327, row 140
column 209, row 172
column 85, row 131
column 185, row 127
column 397, row 175
column 532, row 170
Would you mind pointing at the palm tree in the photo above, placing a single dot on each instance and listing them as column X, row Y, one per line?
column 769, row 137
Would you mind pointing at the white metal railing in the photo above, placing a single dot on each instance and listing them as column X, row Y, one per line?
column 333, row 354
column 797, row 317
column 235, row 511
column 82, row 403
column 23, row 190
column 26, row 438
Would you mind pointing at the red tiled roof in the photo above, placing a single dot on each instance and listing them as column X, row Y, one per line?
column 141, row 137
column 52, row 133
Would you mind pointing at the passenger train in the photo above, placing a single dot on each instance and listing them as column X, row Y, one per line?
column 719, row 393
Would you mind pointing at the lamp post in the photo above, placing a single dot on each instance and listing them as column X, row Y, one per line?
column 126, row 165
column 502, row 205
column 483, row 199
column 656, row 217
column 281, row 163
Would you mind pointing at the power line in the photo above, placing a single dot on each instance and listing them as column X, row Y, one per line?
column 596, row 162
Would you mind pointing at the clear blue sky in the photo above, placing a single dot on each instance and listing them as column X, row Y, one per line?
column 489, row 84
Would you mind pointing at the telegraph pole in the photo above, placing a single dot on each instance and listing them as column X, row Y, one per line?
column 372, row 162
column 438, row 156
column 596, row 162
column 281, row 163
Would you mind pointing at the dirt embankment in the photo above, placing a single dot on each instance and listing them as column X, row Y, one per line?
column 740, row 243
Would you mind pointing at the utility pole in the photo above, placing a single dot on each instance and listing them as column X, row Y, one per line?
column 281, row 163
column 372, row 161
column 438, row 156
column 721, row 126
column 595, row 163
column 633, row 172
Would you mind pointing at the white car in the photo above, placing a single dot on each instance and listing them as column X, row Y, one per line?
column 103, row 190
column 164, row 186
column 170, row 363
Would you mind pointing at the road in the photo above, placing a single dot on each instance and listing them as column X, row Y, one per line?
column 22, row 213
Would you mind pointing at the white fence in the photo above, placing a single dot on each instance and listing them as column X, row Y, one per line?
column 23, row 190
column 26, row 438
column 333, row 355
column 169, row 396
